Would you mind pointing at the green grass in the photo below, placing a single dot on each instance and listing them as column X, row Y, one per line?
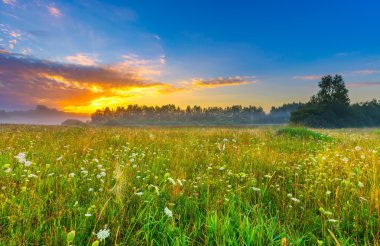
column 224, row 186
column 302, row 133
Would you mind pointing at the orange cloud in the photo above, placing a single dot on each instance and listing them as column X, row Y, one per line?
column 83, row 89
column 218, row 82
column 308, row 77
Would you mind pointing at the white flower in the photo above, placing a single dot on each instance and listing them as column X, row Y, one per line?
column 328, row 192
column 290, row 195
column 59, row 158
column 32, row 175
column 345, row 159
column 71, row 175
column 221, row 168
column 179, row 182
column 139, row 193
column 50, row 174
column 87, row 215
column 332, row 220
column 256, row 189
column 358, row 148
column 103, row 234
column 27, row 163
column 8, row 170
column 91, row 189
column 295, row 200
column 360, row 184
column 225, row 140
column 168, row 212
column 171, row 180
column 21, row 157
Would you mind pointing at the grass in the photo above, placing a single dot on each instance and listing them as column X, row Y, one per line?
column 223, row 186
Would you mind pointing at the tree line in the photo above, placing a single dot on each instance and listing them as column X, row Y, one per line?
column 329, row 108
column 170, row 113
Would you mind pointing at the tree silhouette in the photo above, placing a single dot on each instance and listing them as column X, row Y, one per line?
column 332, row 91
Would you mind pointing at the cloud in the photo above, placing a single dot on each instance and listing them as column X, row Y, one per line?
column 308, row 77
column 31, row 81
column 200, row 83
column 87, row 86
column 144, row 67
column 54, row 11
column 363, row 84
column 365, row 72
column 9, row 2
column 82, row 59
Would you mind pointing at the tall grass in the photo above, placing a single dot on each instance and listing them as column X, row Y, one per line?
column 222, row 186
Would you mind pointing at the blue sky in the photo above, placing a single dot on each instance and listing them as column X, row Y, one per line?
column 195, row 52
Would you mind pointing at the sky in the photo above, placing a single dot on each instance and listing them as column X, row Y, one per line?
column 78, row 56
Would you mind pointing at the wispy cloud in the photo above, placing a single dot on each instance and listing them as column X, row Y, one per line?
column 365, row 72
column 307, row 77
column 9, row 2
column 83, row 59
column 363, row 84
column 218, row 82
column 54, row 11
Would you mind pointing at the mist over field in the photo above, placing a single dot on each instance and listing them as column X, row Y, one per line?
column 41, row 115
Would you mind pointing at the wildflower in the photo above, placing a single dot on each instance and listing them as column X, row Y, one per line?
column 59, row 158
column 32, row 175
column 256, row 189
column 345, row 159
column 332, row 220
column 139, row 193
column 8, row 170
column 295, row 200
column 290, row 195
column 225, row 140
column 221, row 168
column 91, row 189
column 27, row 163
column 179, row 182
column 71, row 175
column 87, row 214
column 358, row 148
column 168, row 212
column 171, row 180
column 360, row 184
column 21, row 157
column 134, row 166
column 328, row 192
column 103, row 234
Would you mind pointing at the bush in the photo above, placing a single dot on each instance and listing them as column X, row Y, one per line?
column 73, row 122
column 302, row 133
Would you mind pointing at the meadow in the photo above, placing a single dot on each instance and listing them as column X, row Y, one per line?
column 188, row 186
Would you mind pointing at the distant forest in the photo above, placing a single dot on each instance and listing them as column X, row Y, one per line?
column 329, row 108
column 171, row 114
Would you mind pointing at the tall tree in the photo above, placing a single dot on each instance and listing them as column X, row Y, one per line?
column 332, row 91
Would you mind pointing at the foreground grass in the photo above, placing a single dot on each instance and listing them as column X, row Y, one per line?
column 188, row 186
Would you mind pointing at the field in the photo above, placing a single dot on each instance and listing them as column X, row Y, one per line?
column 188, row 186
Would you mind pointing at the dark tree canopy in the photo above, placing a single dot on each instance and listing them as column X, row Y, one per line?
column 332, row 91
column 331, row 108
